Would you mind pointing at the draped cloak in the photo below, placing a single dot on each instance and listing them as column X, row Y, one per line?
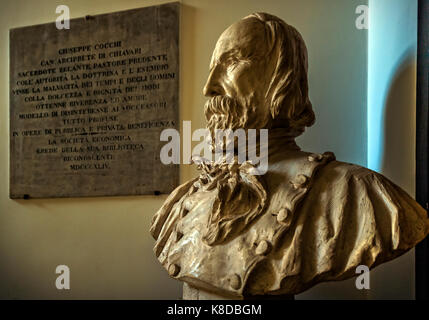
column 320, row 220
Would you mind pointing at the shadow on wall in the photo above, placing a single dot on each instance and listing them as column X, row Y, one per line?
column 398, row 154
column 398, row 164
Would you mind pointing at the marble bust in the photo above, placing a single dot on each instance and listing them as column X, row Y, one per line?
column 309, row 218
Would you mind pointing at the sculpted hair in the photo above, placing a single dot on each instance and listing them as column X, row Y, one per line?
column 288, row 88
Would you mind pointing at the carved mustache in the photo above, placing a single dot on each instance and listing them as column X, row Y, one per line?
column 223, row 112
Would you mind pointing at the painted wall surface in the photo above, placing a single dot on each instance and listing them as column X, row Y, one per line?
column 105, row 241
column 392, row 68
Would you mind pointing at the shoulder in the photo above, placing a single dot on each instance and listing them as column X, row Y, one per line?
column 337, row 175
column 354, row 192
column 337, row 170
column 163, row 213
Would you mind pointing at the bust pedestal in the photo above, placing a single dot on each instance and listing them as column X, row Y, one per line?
column 191, row 293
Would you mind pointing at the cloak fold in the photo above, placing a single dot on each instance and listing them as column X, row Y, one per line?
column 338, row 216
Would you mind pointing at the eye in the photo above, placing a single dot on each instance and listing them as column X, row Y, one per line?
column 232, row 64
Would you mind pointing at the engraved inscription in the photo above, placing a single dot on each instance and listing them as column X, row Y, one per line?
column 88, row 105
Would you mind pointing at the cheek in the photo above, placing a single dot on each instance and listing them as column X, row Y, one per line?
column 244, row 83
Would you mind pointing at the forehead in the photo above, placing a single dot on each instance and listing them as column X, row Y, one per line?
column 245, row 38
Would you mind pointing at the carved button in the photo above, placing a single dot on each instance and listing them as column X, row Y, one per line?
column 300, row 181
column 188, row 203
column 262, row 248
column 329, row 155
column 315, row 157
column 173, row 270
column 283, row 215
column 235, row 281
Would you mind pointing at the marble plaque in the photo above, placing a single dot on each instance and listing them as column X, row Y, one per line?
column 88, row 105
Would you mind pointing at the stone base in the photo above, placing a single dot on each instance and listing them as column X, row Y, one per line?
column 191, row 293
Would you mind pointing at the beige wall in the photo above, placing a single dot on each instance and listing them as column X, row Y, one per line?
column 105, row 241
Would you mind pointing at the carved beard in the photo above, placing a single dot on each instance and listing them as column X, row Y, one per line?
column 223, row 112
column 241, row 197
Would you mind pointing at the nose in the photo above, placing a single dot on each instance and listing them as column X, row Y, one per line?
column 213, row 85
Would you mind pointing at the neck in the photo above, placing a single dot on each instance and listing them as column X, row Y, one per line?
column 262, row 146
column 282, row 139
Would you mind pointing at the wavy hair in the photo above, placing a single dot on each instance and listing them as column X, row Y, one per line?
column 288, row 88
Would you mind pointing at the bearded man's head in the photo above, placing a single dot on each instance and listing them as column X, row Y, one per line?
column 258, row 78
